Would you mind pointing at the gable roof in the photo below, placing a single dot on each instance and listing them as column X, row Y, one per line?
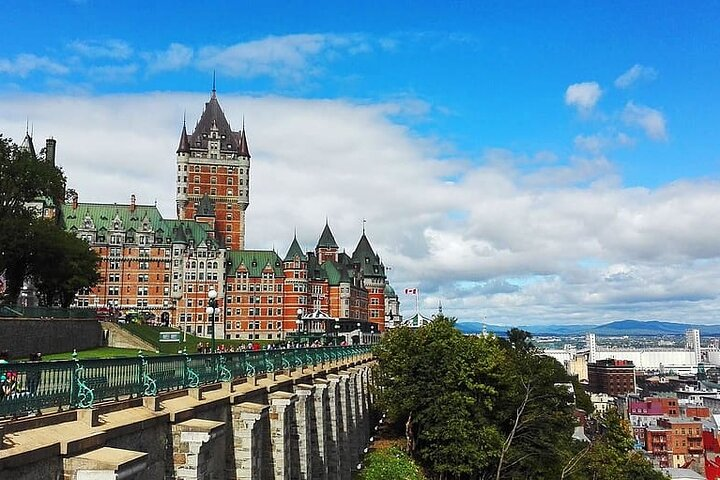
column 254, row 261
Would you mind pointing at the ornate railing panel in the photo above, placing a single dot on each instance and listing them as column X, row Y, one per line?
column 27, row 387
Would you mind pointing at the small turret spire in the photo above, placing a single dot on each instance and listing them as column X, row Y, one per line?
column 213, row 88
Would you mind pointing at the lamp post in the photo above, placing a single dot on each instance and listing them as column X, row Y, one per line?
column 337, row 332
column 360, row 339
column 211, row 310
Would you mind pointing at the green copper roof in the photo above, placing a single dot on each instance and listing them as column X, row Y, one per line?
column 109, row 215
column 106, row 217
column 295, row 251
column 390, row 291
column 326, row 238
column 255, row 262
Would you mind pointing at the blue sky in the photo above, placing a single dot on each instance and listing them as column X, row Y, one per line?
column 572, row 118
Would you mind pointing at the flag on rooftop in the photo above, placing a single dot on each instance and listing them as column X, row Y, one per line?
column 411, row 291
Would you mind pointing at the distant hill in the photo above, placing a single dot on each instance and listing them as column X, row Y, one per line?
column 620, row 327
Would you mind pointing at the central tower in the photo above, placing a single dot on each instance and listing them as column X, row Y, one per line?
column 213, row 172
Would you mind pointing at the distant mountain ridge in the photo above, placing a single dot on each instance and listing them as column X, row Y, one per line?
column 620, row 327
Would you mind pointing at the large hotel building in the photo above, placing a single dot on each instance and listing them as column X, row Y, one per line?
column 166, row 267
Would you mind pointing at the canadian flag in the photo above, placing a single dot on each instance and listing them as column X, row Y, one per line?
column 411, row 291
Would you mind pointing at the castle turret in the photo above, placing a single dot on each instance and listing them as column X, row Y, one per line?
column 215, row 161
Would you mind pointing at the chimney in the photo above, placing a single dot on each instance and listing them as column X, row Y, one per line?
column 75, row 201
column 50, row 144
column 132, row 202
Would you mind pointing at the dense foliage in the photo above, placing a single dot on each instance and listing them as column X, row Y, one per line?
column 32, row 247
column 484, row 407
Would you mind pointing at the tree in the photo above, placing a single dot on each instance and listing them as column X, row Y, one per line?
column 32, row 247
column 441, row 384
column 60, row 264
column 24, row 178
column 611, row 456
column 534, row 411
column 491, row 408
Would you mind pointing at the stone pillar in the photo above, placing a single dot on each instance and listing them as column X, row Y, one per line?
column 106, row 464
column 283, row 441
column 354, row 431
column 198, row 449
column 304, row 425
column 320, row 431
column 334, row 427
column 362, row 432
column 251, row 430
column 345, row 445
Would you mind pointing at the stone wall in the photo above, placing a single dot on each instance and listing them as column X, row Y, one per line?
column 21, row 337
column 291, row 426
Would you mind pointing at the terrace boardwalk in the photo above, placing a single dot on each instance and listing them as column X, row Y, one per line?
column 308, row 421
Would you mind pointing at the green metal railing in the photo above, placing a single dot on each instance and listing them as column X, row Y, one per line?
column 31, row 386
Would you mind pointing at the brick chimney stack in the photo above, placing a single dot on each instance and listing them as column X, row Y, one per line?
column 75, row 201
column 132, row 202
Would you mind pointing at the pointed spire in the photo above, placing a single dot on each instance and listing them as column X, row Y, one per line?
column 327, row 240
column 295, row 250
column 213, row 89
column 184, row 146
column 244, row 150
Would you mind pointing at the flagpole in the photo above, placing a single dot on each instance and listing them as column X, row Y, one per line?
column 417, row 303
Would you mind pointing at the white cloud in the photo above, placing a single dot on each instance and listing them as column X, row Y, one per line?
column 650, row 120
column 601, row 142
column 113, row 73
column 584, row 96
column 289, row 56
column 635, row 73
column 113, row 49
column 558, row 242
column 176, row 56
column 25, row 63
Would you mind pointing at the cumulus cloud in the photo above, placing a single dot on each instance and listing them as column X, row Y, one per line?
column 650, row 120
column 558, row 242
column 25, row 63
column 636, row 73
column 175, row 57
column 583, row 96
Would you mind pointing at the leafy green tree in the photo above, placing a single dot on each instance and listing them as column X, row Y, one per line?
column 24, row 178
column 492, row 408
column 611, row 456
column 31, row 247
column 441, row 384
column 60, row 264
column 534, row 411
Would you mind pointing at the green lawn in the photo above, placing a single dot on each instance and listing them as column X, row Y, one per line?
column 152, row 335
column 102, row 352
